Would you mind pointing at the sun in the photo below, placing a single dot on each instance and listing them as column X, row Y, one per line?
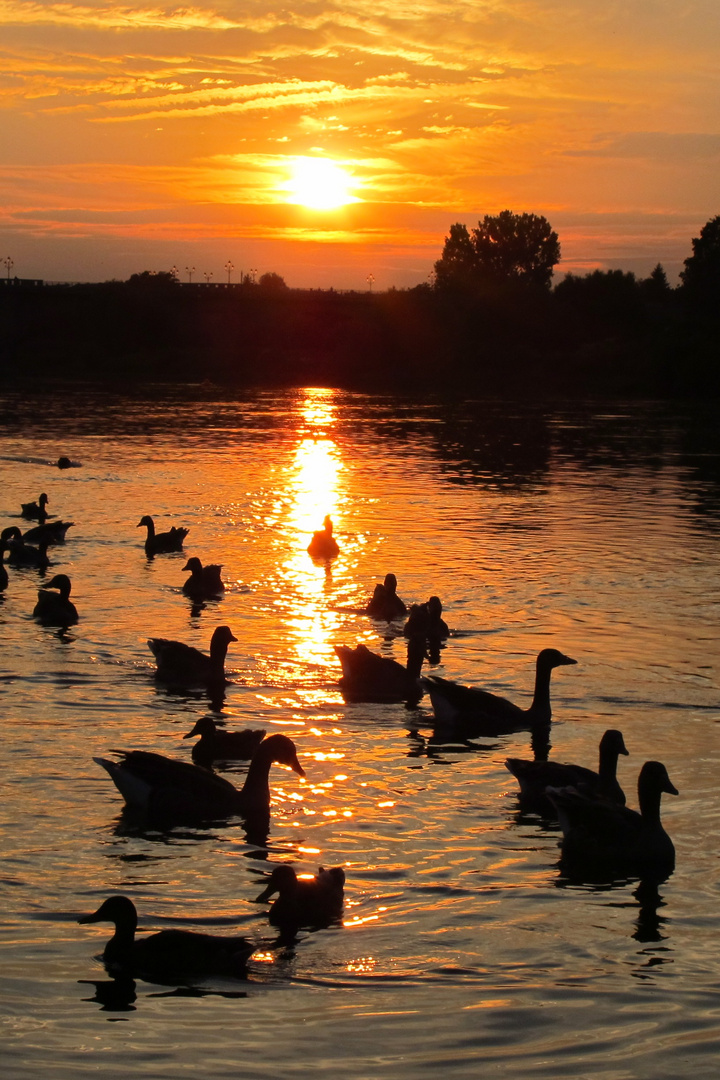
column 319, row 184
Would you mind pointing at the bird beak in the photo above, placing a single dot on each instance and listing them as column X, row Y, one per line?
column 297, row 767
column 89, row 918
column 671, row 789
column 568, row 660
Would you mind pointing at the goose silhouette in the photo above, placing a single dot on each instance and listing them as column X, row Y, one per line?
column 164, row 542
column 612, row 839
column 167, row 789
column 478, row 711
column 168, row 952
column 535, row 776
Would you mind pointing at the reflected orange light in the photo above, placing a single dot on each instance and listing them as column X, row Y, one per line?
column 313, row 481
column 309, row 850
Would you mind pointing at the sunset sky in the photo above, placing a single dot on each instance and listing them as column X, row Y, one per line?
column 144, row 135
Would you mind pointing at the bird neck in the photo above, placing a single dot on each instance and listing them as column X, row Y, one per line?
column 607, row 768
column 120, row 944
column 649, row 800
column 540, row 707
column 218, row 652
column 256, row 789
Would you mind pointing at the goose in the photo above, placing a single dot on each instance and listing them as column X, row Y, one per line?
column 168, row 951
column 314, row 901
column 37, row 509
column 486, row 713
column 385, row 603
column 187, row 666
column 369, row 677
column 215, row 744
column 52, row 531
column 535, row 776
column 204, row 581
column 601, row 834
column 56, row 608
column 160, row 543
column 22, row 554
column 165, row 788
column 426, row 619
column 323, row 544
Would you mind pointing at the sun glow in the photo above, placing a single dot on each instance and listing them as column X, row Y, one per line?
column 319, row 184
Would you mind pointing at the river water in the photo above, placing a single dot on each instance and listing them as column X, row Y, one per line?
column 463, row 949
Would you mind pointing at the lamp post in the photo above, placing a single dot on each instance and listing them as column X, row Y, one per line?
column 229, row 267
column 190, row 271
column 207, row 275
column 253, row 272
column 370, row 280
column 174, row 272
column 9, row 264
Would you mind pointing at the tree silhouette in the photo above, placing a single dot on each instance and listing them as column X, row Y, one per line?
column 504, row 248
column 701, row 276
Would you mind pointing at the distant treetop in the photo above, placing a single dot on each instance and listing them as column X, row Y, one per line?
column 503, row 248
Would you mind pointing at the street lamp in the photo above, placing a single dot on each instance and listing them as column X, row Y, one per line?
column 190, row 271
column 370, row 280
column 207, row 275
column 229, row 267
column 174, row 272
column 9, row 264
column 253, row 272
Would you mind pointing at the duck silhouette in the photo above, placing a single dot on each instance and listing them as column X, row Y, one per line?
column 164, row 542
column 35, row 510
column 385, row 603
column 215, row 744
column 481, row 712
column 306, row 901
column 369, row 677
column 612, row 839
column 171, row 790
column 184, row 665
column 323, row 544
column 52, row 531
column 22, row 554
column 56, row 608
column 168, row 952
column 535, row 776
column 204, row 581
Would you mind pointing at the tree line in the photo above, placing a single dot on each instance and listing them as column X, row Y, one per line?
column 489, row 323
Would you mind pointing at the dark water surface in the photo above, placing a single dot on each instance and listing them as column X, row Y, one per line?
column 464, row 950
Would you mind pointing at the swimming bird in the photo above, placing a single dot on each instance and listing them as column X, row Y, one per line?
column 187, row 666
column 52, row 531
column 165, row 788
column 204, row 581
column 369, row 677
column 215, row 744
column 535, row 776
column 36, row 509
column 315, row 901
column 56, row 608
column 22, row 554
column 385, row 602
column 161, row 543
column 4, row 546
column 605, row 836
column 479, row 711
column 167, row 952
column 323, row 544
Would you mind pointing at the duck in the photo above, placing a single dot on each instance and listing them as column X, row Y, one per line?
column 166, row 788
column 426, row 619
column 306, row 901
column 187, row 666
column 604, row 835
column 52, row 531
column 22, row 554
column 56, row 608
column 215, row 744
column 484, row 713
column 35, row 510
column 4, row 546
column 369, row 677
column 535, row 776
column 204, row 581
column 168, row 951
column 323, row 544
column 161, row 543
column 385, row 602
